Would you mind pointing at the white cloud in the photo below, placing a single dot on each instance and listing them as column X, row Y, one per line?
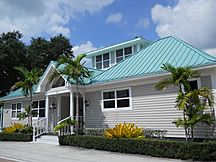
column 191, row 20
column 84, row 48
column 114, row 18
column 211, row 51
column 143, row 22
column 34, row 18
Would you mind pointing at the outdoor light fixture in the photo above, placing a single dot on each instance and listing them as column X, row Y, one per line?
column 53, row 106
column 86, row 103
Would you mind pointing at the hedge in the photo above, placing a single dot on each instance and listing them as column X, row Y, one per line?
column 203, row 151
column 15, row 137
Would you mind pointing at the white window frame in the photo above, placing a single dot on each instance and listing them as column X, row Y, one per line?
column 123, row 53
column 198, row 81
column 102, row 61
column 115, row 99
column 38, row 108
column 16, row 109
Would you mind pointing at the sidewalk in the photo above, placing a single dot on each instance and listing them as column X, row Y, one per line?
column 37, row 152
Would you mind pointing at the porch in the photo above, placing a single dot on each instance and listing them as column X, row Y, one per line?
column 60, row 104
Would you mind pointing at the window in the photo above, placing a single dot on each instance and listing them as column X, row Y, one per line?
column 116, row 99
column 123, row 53
column 193, row 84
column 119, row 55
column 16, row 110
column 38, row 108
column 128, row 51
column 102, row 61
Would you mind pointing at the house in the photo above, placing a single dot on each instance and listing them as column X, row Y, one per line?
column 121, row 89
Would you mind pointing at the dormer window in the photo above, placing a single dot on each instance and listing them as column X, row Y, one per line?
column 123, row 53
column 102, row 61
column 128, row 51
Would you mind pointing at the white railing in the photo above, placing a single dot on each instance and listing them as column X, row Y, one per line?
column 70, row 129
column 39, row 128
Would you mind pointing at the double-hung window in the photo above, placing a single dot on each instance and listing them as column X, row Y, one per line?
column 38, row 108
column 128, row 51
column 16, row 110
column 103, row 61
column 116, row 99
column 123, row 53
column 119, row 55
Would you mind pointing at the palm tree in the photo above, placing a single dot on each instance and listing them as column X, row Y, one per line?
column 179, row 78
column 74, row 71
column 195, row 103
column 28, row 80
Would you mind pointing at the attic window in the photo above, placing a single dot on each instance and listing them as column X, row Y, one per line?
column 103, row 61
column 123, row 53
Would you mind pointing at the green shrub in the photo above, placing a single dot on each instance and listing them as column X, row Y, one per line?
column 65, row 123
column 124, row 131
column 205, row 151
column 15, row 137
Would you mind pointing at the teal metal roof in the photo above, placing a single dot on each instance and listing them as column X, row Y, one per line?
column 149, row 60
column 15, row 94
column 146, row 62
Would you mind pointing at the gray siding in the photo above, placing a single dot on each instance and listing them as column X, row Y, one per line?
column 206, row 81
column 150, row 109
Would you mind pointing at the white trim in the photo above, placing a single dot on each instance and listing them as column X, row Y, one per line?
column 198, row 81
column 38, row 108
column 116, row 99
column 21, row 110
column 43, row 77
column 119, row 45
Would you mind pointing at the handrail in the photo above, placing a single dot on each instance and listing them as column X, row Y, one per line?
column 39, row 128
column 64, row 119
column 68, row 128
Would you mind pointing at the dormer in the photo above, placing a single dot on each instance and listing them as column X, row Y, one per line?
column 108, row 56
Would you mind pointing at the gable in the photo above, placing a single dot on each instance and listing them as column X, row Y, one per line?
column 45, row 79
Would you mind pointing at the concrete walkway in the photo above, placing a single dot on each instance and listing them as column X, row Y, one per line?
column 38, row 152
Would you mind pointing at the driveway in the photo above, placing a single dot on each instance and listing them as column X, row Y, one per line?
column 38, row 152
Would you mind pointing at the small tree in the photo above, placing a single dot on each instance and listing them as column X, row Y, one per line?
column 188, row 101
column 28, row 80
column 74, row 70
column 195, row 103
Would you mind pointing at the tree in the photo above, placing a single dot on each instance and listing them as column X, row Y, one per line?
column 195, row 103
column 12, row 54
column 187, row 100
column 27, row 82
column 42, row 51
column 74, row 70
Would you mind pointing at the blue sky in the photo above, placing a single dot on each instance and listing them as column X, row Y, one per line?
column 92, row 24
column 102, row 33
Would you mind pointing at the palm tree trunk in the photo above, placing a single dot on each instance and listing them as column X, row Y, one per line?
column 185, row 128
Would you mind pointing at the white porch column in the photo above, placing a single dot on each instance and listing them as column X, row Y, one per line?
column 47, row 113
column 58, row 98
column 71, row 108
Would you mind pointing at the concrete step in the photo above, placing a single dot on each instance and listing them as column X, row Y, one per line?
column 48, row 139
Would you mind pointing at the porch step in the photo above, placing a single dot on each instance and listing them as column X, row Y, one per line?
column 48, row 139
